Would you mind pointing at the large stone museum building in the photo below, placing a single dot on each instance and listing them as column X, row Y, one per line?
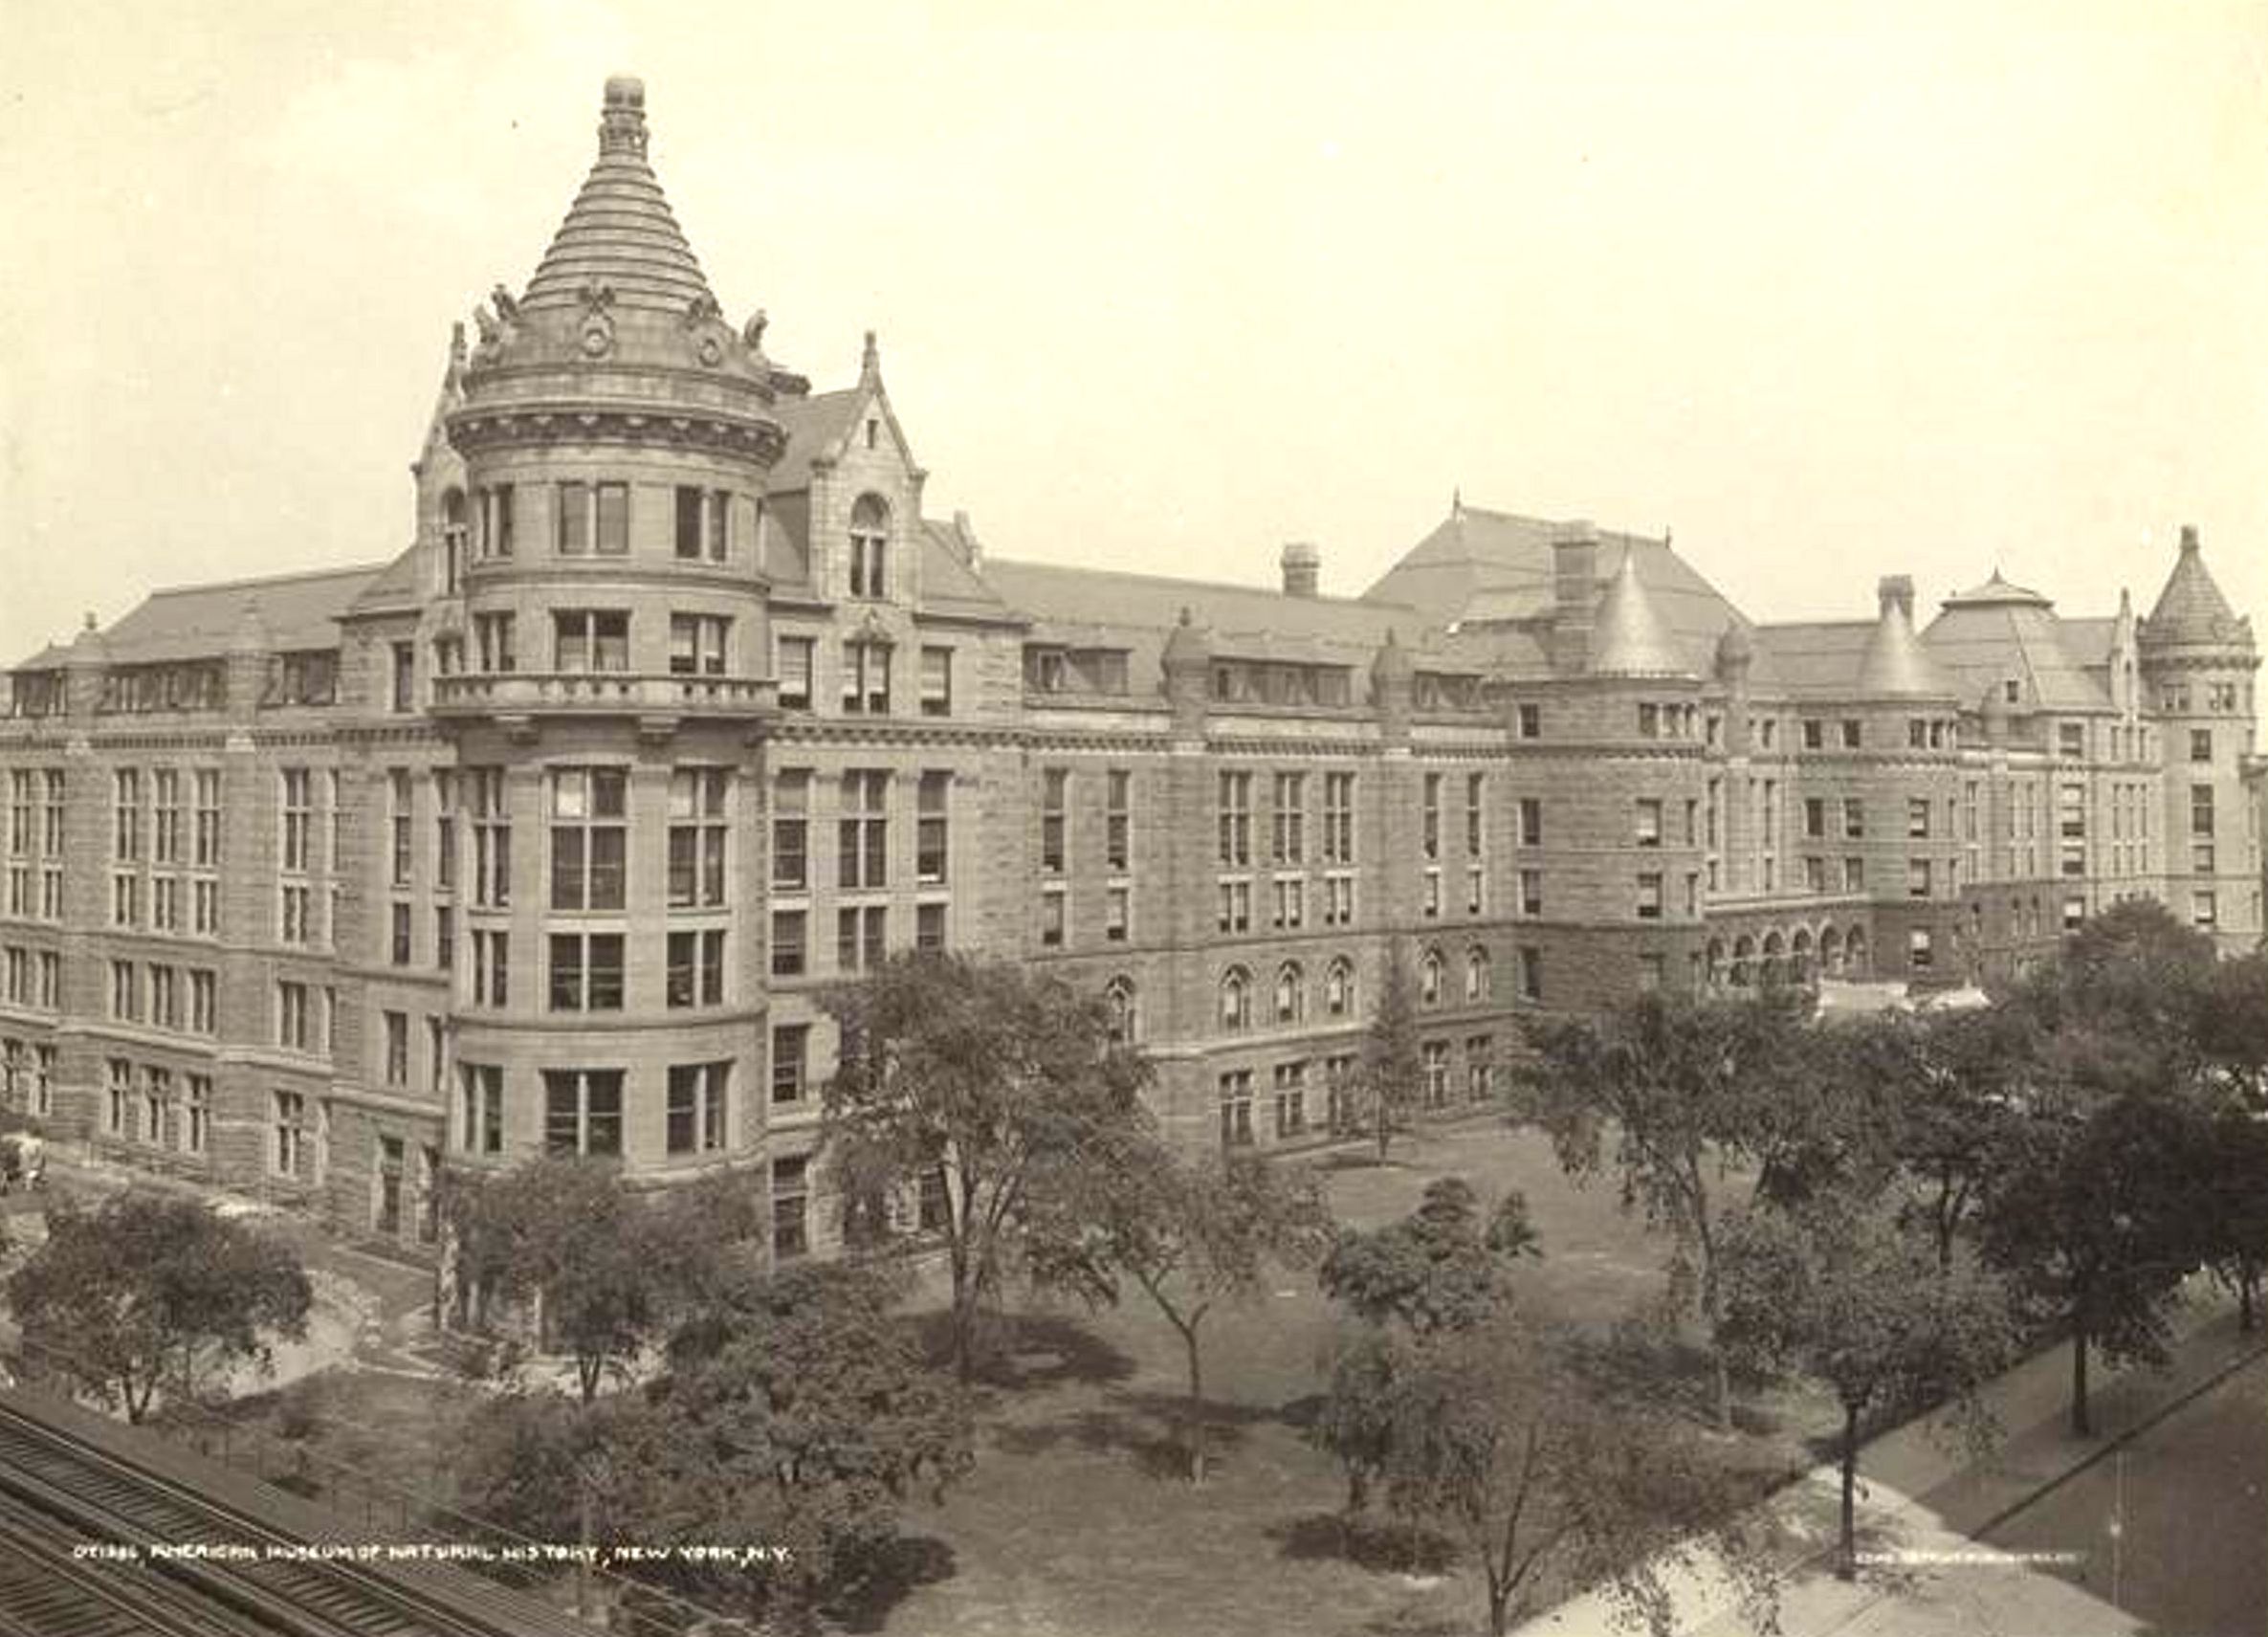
column 677, row 709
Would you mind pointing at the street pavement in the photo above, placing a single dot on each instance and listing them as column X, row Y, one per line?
column 1957, row 1548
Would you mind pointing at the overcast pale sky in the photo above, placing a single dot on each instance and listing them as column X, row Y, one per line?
column 1836, row 292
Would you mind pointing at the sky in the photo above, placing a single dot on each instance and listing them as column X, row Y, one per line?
column 1833, row 292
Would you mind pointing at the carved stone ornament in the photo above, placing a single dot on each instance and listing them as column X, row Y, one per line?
column 709, row 350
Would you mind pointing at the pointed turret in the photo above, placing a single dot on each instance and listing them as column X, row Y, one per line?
column 1897, row 666
column 619, row 234
column 1629, row 636
column 2190, row 610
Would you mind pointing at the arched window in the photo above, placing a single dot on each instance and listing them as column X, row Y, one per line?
column 453, row 542
column 1236, row 999
column 1744, row 956
column 1773, row 970
column 1429, row 979
column 1716, row 961
column 1291, row 993
column 1124, row 1022
column 1799, row 955
column 1855, row 952
column 1476, row 974
column 1831, row 951
column 1338, row 988
column 870, row 546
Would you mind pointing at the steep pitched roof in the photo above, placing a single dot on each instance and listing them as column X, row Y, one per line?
column 2000, row 632
column 948, row 584
column 1479, row 568
column 393, row 590
column 1896, row 665
column 815, row 426
column 194, row 622
column 2190, row 610
column 619, row 231
column 1819, row 657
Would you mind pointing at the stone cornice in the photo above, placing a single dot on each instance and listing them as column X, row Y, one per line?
column 704, row 429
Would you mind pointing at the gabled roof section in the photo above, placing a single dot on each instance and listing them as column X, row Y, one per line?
column 620, row 232
column 2190, row 610
column 1814, row 657
column 393, row 590
column 816, row 427
column 195, row 622
column 949, row 585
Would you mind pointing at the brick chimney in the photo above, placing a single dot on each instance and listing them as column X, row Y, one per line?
column 1896, row 591
column 1303, row 569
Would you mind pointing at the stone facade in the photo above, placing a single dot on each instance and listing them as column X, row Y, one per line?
column 551, row 831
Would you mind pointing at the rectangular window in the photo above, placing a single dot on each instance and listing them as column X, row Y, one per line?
column 862, row 856
column 1854, row 876
column 936, row 681
column 587, row 971
column 791, row 1202
column 589, row 640
column 1851, row 733
column 694, row 1119
column 1814, row 733
column 583, row 1112
column 195, row 1135
column 404, row 676
column 398, row 942
column 1288, row 821
column 1236, row 1109
column 790, row 940
column 792, row 662
column 287, row 1156
column 1476, row 790
column 929, row 927
column 1531, row 821
column 1917, row 877
column 1435, row 1056
column 1054, row 803
column 791, row 1050
column 1531, row 892
column 399, row 818
column 394, row 1027
column 1051, row 917
column 931, row 834
column 614, row 519
column 859, row 934
column 491, row 837
column 1117, row 914
column 1338, row 818
column 2201, row 811
column 1854, row 819
column 1291, row 1099
column 1917, row 818
column 697, row 644
column 2204, row 910
column 2071, row 739
column 791, row 826
column 1235, row 906
column 491, row 644
column 589, row 839
column 492, row 968
column 1649, row 896
column 2200, row 744
column 1429, row 830
column 1531, row 973
column 694, row 973
column 865, row 679
column 697, row 836
column 1290, row 903
column 204, row 1014
column 1235, row 820
column 1118, row 819
column 1649, row 822
column 572, row 502
column 1814, row 817
column 1429, row 894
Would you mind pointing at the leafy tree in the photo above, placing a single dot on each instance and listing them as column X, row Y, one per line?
column 608, row 1267
column 2097, row 1220
column 1193, row 1234
column 1498, row 1443
column 2119, row 1010
column 1354, row 1423
column 792, row 1413
column 1940, row 1092
column 1676, row 1098
column 2233, row 1029
column 2236, row 1206
column 148, row 1291
column 1441, row 1267
column 1846, row 1298
column 1391, row 1073
column 1004, row 1082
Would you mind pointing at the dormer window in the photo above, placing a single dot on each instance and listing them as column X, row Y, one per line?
column 869, row 545
column 453, row 542
column 873, row 428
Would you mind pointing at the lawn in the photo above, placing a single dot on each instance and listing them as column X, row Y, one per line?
column 1077, row 1520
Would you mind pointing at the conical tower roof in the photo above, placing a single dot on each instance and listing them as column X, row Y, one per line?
column 1629, row 636
column 2192, row 611
column 1896, row 664
column 619, row 232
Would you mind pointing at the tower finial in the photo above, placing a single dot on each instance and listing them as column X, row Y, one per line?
column 622, row 118
column 870, row 361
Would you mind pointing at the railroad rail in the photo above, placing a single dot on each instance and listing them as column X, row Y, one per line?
column 95, row 1521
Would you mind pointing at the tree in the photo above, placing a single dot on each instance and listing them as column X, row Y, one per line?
column 791, row 1414
column 1941, row 1092
column 1354, row 1421
column 1846, row 1298
column 608, row 1267
column 2119, row 1010
column 1391, row 1074
column 1497, row 1441
column 148, row 1291
column 1002, row 1083
column 2097, row 1221
column 2232, row 1030
column 1193, row 1234
column 1677, row 1096
column 1438, row 1269
column 2236, row 1206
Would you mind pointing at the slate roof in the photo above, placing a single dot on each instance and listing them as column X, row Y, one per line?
column 1813, row 656
column 948, row 584
column 2190, row 610
column 1999, row 631
column 196, row 622
column 814, row 426
column 1628, row 637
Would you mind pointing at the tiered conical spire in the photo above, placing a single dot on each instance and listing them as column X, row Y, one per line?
column 619, row 232
column 1631, row 638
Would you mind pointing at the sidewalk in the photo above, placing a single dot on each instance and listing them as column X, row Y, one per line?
column 1923, row 1502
